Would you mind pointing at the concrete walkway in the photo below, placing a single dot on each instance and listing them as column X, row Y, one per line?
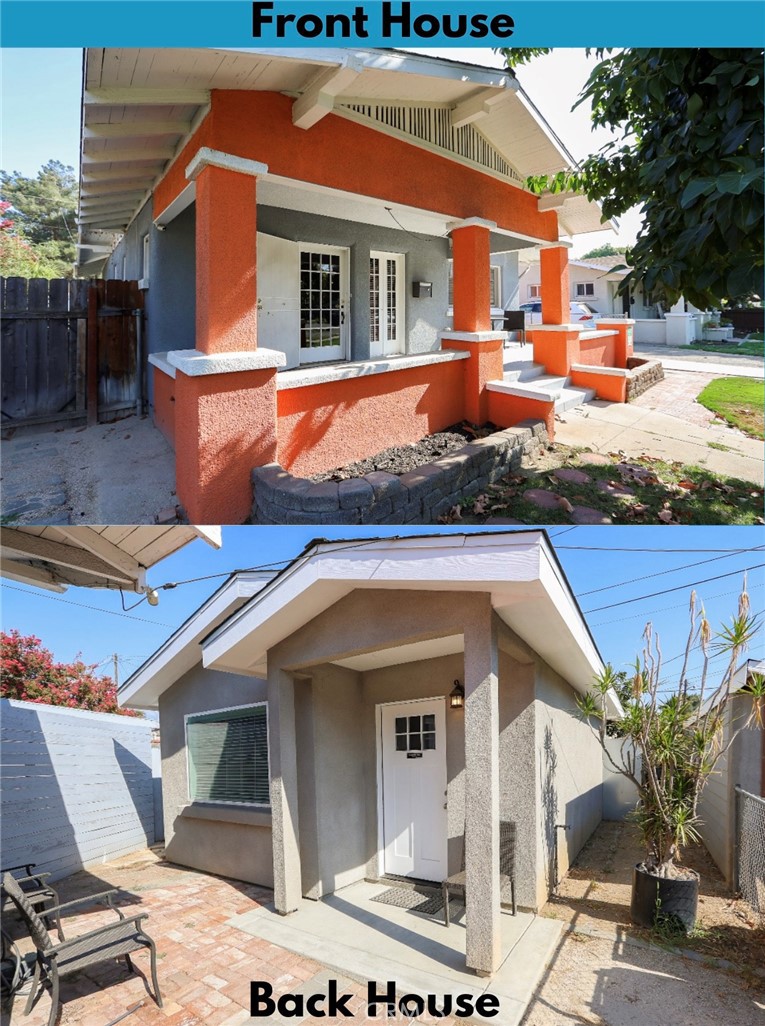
column 121, row 473
column 372, row 941
column 636, row 431
column 700, row 361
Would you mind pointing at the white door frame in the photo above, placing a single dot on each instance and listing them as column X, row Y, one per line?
column 381, row 870
column 382, row 347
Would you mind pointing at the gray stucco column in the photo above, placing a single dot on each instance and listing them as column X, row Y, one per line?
column 284, row 791
column 482, row 883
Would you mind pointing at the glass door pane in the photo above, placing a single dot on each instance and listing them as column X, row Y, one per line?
column 323, row 303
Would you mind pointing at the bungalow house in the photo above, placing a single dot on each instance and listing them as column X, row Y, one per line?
column 292, row 217
column 358, row 714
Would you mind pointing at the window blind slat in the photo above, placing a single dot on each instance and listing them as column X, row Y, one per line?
column 228, row 756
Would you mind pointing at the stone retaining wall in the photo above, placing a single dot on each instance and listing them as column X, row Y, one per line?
column 418, row 497
column 642, row 374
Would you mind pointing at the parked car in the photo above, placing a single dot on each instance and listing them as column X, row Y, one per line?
column 578, row 312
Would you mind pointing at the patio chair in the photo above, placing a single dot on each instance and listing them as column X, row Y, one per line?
column 515, row 320
column 506, row 867
column 117, row 940
column 36, row 890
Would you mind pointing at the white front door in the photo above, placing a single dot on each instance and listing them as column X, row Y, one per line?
column 278, row 297
column 386, row 304
column 413, row 745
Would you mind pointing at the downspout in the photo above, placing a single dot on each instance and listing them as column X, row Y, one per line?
column 139, row 390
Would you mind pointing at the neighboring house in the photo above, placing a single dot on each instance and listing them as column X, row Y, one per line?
column 291, row 216
column 591, row 281
column 743, row 766
column 310, row 738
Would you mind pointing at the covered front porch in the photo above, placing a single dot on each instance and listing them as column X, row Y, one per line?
column 361, row 938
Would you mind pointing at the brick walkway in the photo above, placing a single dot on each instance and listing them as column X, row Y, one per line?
column 204, row 966
column 676, row 395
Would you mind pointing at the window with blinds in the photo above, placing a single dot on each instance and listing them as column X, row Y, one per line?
column 228, row 756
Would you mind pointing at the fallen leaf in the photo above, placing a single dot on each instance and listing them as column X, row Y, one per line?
column 565, row 504
column 667, row 517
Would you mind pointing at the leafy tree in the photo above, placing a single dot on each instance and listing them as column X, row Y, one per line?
column 28, row 672
column 688, row 148
column 42, row 211
column 605, row 250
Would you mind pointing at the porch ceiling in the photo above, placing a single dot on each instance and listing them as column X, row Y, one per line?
column 140, row 106
column 92, row 557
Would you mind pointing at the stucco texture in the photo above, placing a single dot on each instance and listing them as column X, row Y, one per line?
column 229, row 840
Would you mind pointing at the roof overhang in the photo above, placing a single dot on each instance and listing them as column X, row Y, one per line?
column 92, row 557
column 182, row 650
column 136, row 118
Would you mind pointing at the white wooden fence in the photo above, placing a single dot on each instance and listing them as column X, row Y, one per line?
column 76, row 786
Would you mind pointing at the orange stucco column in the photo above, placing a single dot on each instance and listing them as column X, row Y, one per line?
column 228, row 427
column 226, row 251
column 555, row 350
column 472, row 281
column 556, row 304
column 624, row 328
column 485, row 364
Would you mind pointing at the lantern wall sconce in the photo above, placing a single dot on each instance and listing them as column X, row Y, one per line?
column 457, row 696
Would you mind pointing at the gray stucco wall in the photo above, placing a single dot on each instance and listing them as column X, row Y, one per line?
column 425, row 259
column 76, row 786
column 569, row 770
column 229, row 840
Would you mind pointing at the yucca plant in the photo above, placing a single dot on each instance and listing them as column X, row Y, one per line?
column 680, row 735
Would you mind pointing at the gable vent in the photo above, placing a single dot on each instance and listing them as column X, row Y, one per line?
column 433, row 125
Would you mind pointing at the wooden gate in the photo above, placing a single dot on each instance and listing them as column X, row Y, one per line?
column 69, row 350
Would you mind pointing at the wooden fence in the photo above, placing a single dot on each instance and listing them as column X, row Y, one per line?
column 69, row 350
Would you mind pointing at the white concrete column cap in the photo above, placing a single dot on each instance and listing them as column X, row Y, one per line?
column 472, row 222
column 194, row 363
column 560, row 244
column 205, row 157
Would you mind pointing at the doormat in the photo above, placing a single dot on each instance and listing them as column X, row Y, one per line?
column 416, row 899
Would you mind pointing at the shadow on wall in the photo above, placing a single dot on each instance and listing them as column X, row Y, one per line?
column 72, row 794
column 549, row 799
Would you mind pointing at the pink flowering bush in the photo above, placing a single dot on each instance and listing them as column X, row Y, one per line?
column 29, row 673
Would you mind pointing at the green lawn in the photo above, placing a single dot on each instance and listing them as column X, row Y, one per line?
column 739, row 401
column 752, row 347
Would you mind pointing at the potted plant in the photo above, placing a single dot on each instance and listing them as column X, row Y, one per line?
column 672, row 739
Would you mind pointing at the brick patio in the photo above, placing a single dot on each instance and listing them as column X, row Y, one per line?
column 676, row 395
column 204, row 966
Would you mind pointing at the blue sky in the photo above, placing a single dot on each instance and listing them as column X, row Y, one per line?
column 93, row 623
column 41, row 110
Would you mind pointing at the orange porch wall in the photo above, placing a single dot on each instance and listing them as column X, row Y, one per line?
column 258, row 126
column 555, row 350
column 507, row 410
column 164, row 404
column 598, row 352
column 229, row 428
column 485, row 364
column 331, row 424
column 607, row 386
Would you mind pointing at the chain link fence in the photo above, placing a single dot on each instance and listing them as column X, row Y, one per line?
column 750, row 849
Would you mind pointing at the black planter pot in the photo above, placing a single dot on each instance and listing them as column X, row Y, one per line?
column 657, row 899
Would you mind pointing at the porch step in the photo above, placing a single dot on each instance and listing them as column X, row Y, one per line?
column 573, row 396
column 535, row 384
column 522, row 370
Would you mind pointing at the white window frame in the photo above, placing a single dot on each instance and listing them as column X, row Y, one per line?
column 535, row 291
column 210, row 712
column 495, row 286
column 584, row 290
column 146, row 261
column 383, row 346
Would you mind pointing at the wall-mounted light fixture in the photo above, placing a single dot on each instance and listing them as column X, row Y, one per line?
column 457, row 696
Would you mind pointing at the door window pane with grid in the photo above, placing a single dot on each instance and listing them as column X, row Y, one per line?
column 228, row 756
column 385, row 302
column 320, row 299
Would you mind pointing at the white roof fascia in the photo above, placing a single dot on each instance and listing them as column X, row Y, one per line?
column 181, row 651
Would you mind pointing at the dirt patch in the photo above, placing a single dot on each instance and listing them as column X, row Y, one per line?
column 400, row 459
column 596, row 894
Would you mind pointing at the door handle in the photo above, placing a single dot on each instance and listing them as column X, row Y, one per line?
column 342, row 316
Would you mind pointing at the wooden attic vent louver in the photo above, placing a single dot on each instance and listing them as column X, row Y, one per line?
column 433, row 125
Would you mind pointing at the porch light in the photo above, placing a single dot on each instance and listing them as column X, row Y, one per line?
column 457, row 696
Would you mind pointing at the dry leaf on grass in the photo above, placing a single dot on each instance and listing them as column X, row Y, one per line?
column 565, row 504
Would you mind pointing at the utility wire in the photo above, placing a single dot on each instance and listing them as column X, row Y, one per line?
column 674, row 570
column 680, row 587
column 82, row 605
column 666, row 609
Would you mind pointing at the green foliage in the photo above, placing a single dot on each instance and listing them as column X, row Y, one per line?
column 679, row 736
column 688, row 148
column 605, row 250
column 515, row 56
column 41, row 220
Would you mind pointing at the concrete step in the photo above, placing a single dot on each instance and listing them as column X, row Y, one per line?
column 572, row 396
column 522, row 370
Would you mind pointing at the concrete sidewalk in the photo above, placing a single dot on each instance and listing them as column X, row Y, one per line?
column 635, row 431
column 700, row 361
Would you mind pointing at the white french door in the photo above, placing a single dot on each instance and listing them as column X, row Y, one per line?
column 324, row 306
column 386, row 304
column 413, row 746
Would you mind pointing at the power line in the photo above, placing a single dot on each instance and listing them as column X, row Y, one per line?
column 82, row 605
column 666, row 609
column 610, row 548
column 680, row 587
column 674, row 570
